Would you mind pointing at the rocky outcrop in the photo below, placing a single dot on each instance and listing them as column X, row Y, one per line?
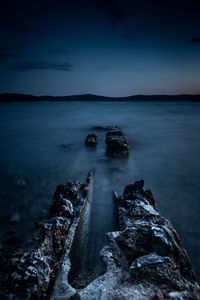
column 91, row 139
column 145, row 259
column 32, row 270
column 117, row 144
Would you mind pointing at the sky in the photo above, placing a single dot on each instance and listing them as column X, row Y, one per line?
column 105, row 47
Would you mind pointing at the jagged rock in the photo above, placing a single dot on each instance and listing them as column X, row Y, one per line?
column 91, row 140
column 32, row 269
column 145, row 259
column 117, row 144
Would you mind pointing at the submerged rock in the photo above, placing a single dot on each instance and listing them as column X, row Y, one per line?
column 91, row 139
column 117, row 144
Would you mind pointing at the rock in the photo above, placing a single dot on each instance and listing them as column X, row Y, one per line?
column 67, row 209
column 159, row 295
column 117, row 144
column 91, row 140
column 32, row 269
column 145, row 258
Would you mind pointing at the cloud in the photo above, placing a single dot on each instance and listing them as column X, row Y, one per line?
column 44, row 65
column 196, row 40
column 112, row 10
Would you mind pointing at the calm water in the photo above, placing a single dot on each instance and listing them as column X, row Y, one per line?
column 43, row 145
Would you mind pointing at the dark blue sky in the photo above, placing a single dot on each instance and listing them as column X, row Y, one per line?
column 106, row 47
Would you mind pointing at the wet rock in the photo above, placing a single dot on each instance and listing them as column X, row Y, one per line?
column 159, row 295
column 145, row 258
column 67, row 210
column 185, row 295
column 117, row 144
column 32, row 269
column 91, row 140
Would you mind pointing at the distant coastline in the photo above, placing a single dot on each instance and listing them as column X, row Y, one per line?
column 90, row 97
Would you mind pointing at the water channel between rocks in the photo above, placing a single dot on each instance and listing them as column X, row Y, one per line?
column 99, row 217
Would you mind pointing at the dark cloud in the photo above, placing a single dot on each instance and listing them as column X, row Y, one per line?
column 44, row 65
column 196, row 40
column 112, row 10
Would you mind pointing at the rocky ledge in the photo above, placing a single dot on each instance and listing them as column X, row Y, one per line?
column 145, row 259
column 32, row 269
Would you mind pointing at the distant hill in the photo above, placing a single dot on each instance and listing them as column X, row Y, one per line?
column 90, row 97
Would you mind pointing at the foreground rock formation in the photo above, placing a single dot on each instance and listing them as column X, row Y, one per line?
column 117, row 144
column 32, row 270
column 144, row 259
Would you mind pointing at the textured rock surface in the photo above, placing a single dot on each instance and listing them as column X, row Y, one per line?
column 145, row 260
column 32, row 270
column 91, row 139
column 117, row 144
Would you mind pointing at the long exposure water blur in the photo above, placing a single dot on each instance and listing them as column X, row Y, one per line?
column 42, row 145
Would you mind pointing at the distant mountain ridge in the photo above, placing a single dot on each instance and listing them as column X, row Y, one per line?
column 90, row 97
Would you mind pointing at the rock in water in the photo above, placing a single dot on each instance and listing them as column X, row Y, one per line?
column 145, row 259
column 117, row 144
column 91, row 139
